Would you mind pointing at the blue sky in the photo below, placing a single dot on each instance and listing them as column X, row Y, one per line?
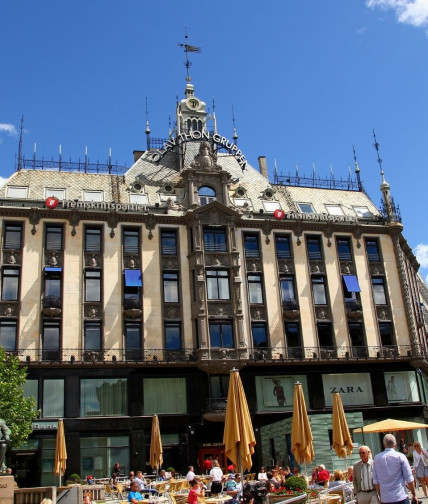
column 307, row 80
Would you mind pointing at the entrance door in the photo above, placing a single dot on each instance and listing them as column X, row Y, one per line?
column 26, row 469
column 216, row 452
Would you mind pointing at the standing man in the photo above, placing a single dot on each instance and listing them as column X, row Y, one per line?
column 362, row 479
column 391, row 472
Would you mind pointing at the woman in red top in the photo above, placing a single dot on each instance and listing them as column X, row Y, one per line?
column 196, row 490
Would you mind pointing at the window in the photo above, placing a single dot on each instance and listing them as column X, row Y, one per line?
column 53, row 399
column 103, row 397
column 10, row 284
column 255, row 289
column 219, row 386
column 292, row 338
column 271, row 206
column 52, row 288
column 54, row 239
column 356, row 336
column 344, row 249
column 172, row 335
column 165, row 395
column 386, row 334
column 259, row 333
column 362, row 211
column 132, row 340
column 251, row 246
column 334, row 209
column 283, row 250
column 92, row 286
column 131, row 241
column 314, row 248
column 100, row 453
column 132, row 288
column 31, row 389
column 217, row 284
column 92, row 335
column 93, row 239
column 240, row 202
column 221, row 334
column 206, row 195
column 351, row 285
column 12, row 237
column 287, row 289
column 306, row 208
column 8, row 333
column 56, row 193
column 318, row 290
column 169, row 242
column 93, row 196
column 170, row 287
column 138, row 199
column 17, row 192
column 379, row 294
column 325, row 337
column 215, row 240
column 50, row 340
column 372, row 249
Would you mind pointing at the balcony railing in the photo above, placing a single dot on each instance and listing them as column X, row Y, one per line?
column 142, row 356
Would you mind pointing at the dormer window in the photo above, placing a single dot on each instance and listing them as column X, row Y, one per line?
column 206, row 195
column 362, row 211
column 306, row 208
column 93, row 196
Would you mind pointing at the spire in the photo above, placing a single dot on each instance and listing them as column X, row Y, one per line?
column 188, row 48
column 235, row 134
column 21, row 129
column 147, row 132
column 357, row 170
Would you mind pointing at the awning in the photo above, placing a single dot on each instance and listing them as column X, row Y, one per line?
column 133, row 278
column 351, row 282
column 54, row 270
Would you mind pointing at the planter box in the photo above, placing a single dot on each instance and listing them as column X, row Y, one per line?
column 298, row 499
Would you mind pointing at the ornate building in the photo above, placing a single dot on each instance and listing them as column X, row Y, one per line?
column 131, row 293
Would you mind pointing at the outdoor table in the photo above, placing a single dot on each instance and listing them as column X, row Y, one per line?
column 218, row 500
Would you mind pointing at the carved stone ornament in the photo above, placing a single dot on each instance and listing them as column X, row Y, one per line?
column 257, row 313
column 346, row 268
column 291, row 314
column 11, row 259
column 317, row 267
column 322, row 313
column 112, row 222
column 91, row 311
column 133, row 313
column 383, row 313
column 8, row 310
column 150, row 224
column 285, row 266
column 328, row 233
column 298, row 233
column 357, row 235
column 215, row 261
column 267, row 229
column 74, row 220
column 53, row 261
column 253, row 266
column 355, row 315
column 170, row 263
column 375, row 269
column 92, row 262
column 34, row 219
column 205, row 159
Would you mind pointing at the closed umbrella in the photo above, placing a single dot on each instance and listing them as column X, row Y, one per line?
column 60, row 451
column 301, row 434
column 391, row 425
column 342, row 441
column 238, row 438
column 156, row 451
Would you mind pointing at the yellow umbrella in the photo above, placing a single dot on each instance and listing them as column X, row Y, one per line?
column 156, row 450
column 391, row 425
column 342, row 441
column 238, row 438
column 60, row 451
column 301, row 434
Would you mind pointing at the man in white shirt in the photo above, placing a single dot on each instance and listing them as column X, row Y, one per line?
column 364, row 488
column 190, row 476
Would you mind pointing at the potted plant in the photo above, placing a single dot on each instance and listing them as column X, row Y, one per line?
column 74, row 479
column 293, row 487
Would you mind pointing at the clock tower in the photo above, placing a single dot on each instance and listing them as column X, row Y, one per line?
column 191, row 112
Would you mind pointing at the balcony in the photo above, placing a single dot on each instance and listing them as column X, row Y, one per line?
column 215, row 409
column 51, row 306
column 221, row 356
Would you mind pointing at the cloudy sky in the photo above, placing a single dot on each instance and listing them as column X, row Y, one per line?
column 307, row 80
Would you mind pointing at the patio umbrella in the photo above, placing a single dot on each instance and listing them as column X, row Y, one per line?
column 60, row 451
column 238, row 438
column 301, row 434
column 342, row 441
column 156, row 450
column 391, row 425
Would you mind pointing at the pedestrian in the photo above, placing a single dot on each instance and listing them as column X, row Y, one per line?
column 364, row 488
column 391, row 473
column 420, row 465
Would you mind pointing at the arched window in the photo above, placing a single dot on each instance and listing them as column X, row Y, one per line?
column 206, row 195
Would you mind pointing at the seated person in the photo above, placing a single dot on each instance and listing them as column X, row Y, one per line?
column 262, row 476
column 142, row 483
column 87, row 498
column 271, row 479
column 323, row 475
column 113, row 481
column 134, row 495
column 196, row 490
column 233, row 488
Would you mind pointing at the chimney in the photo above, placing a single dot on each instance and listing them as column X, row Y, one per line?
column 263, row 167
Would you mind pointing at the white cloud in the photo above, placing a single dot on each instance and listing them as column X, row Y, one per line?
column 8, row 128
column 421, row 252
column 412, row 12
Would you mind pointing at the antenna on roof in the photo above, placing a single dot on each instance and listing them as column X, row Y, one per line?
column 20, row 144
column 275, row 169
column 147, row 132
column 357, row 170
column 235, row 134
column 214, row 117
column 376, row 145
column 188, row 48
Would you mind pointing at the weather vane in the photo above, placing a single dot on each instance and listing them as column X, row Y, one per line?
column 188, row 48
column 376, row 145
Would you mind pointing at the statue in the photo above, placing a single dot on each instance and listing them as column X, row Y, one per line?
column 205, row 159
column 4, row 440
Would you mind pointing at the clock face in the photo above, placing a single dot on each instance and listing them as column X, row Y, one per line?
column 193, row 103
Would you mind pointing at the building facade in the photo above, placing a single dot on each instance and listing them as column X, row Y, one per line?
column 134, row 293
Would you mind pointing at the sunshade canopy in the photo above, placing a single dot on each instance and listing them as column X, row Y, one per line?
column 60, row 450
column 391, row 425
column 301, row 433
column 156, row 450
column 342, row 441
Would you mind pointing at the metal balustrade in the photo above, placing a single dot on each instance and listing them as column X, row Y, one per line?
column 140, row 356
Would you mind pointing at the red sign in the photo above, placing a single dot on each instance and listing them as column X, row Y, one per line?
column 51, row 202
column 279, row 214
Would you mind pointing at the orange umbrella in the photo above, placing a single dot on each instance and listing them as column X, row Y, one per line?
column 238, row 438
column 301, row 434
column 391, row 425
column 342, row 441
column 60, row 451
column 156, row 451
